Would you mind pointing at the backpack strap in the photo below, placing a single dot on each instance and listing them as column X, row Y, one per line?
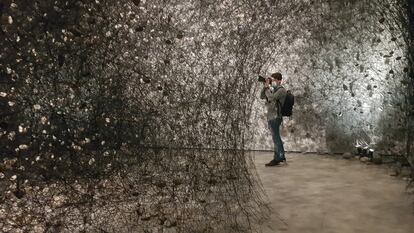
column 279, row 105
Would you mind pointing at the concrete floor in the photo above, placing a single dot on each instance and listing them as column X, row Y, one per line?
column 323, row 194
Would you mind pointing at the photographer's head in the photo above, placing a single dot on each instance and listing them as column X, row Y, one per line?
column 277, row 77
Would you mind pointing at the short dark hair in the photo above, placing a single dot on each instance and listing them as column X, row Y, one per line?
column 277, row 76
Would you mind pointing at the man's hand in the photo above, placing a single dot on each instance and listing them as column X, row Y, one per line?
column 267, row 83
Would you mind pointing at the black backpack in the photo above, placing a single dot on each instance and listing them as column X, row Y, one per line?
column 287, row 108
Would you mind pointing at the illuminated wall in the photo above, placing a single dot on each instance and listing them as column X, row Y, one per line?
column 349, row 77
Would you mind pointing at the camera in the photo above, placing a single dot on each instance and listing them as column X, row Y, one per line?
column 263, row 79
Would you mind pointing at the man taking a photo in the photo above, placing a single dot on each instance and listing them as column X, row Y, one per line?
column 275, row 96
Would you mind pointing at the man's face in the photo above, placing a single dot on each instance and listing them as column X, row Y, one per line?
column 277, row 81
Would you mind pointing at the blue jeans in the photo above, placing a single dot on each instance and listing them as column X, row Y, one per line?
column 274, row 126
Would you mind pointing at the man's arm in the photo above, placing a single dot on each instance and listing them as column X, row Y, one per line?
column 262, row 93
column 265, row 88
column 274, row 96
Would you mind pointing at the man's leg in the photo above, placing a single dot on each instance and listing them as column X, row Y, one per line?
column 278, row 140
column 274, row 129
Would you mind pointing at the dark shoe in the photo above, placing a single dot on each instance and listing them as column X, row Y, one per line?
column 281, row 160
column 272, row 163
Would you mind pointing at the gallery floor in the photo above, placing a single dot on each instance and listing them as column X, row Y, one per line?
column 325, row 194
